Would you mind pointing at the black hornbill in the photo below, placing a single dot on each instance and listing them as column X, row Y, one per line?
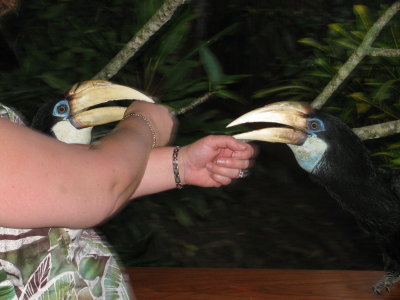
column 338, row 160
column 71, row 119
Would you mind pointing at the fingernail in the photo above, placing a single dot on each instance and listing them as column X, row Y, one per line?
column 220, row 161
column 235, row 154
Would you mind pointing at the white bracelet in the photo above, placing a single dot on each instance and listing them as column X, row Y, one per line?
column 148, row 123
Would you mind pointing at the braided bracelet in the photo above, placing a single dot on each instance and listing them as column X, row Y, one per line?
column 147, row 123
column 175, row 167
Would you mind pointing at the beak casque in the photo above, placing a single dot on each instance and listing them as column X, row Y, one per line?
column 87, row 94
column 293, row 115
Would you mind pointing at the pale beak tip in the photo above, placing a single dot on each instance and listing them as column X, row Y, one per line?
column 238, row 121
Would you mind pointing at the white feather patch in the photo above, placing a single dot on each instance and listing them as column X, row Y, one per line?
column 67, row 133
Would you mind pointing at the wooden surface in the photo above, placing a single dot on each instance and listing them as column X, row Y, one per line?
column 232, row 284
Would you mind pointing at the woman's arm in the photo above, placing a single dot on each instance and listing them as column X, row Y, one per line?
column 209, row 162
column 44, row 182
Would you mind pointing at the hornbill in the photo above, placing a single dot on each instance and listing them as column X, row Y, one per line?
column 72, row 119
column 339, row 161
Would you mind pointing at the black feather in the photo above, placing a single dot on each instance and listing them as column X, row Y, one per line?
column 370, row 194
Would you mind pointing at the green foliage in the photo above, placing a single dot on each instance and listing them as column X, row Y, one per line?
column 58, row 44
column 70, row 41
column 370, row 95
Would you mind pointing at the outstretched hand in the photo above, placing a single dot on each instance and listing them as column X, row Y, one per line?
column 214, row 161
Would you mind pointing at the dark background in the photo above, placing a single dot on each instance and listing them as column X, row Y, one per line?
column 275, row 218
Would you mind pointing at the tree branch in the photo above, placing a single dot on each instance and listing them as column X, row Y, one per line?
column 384, row 52
column 162, row 16
column 347, row 68
column 195, row 103
column 378, row 130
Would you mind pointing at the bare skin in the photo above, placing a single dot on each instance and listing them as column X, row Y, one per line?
column 212, row 161
column 46, row 183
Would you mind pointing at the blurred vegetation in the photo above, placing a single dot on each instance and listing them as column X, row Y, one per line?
column 370, row 96
column 243, row 54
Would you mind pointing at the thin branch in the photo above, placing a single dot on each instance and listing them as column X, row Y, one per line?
column 162, row 16
column 195, row 103
column 347, row 68
column 384, row 52
column 378, row 130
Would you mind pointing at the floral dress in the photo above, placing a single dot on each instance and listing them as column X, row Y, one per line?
column 57, row 263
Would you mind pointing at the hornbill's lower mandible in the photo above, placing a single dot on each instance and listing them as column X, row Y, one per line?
column 338, row 160
column 71, row 119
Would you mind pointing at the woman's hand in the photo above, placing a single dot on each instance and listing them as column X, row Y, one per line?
column 214, row 161
column 160, row 118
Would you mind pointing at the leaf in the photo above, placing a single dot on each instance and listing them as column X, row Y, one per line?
column 211, row 65
column 378, row 116
column 229, row 95
column 183, row 216
column 91, row 267
column 362, row 12
column 313, row 43
column 38, row 279
column 383, row 91
column 362, row 108
column 339, row 28
column 394, row 146
column 395, row 161
column 60, row 287
column 383, row 153
column 346, row 44
column 320, row 74
column 113, row 282
column 358, row 96
column 359, row 34
column 265, row 92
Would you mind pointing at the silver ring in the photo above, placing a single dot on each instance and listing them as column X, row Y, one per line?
column 243, row 173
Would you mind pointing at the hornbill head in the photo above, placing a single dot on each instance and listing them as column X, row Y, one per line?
column 71, row 119
column 322, row 144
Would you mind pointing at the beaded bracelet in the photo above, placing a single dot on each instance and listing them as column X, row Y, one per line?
column 175, row 167
column 147, row 123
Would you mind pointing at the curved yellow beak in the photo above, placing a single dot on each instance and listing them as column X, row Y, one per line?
column 290, row 116
column 82, row 96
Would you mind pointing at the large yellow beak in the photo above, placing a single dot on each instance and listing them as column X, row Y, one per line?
column 82, row 96
column 291, row 117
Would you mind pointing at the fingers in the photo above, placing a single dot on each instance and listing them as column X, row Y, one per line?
column 234, row 156
column 224, row 170
column 235, row 148
column 232, row 163
column 221, row 180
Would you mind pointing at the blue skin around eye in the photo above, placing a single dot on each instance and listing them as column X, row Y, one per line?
column 65, row 114
column 313, row 131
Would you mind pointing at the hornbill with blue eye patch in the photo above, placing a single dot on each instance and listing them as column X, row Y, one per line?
column 72, row 119
column 338, row 160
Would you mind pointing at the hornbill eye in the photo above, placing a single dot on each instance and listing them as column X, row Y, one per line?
column 62, row 109
column 315, row 125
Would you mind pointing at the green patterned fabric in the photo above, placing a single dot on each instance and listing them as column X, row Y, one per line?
column 57, row 263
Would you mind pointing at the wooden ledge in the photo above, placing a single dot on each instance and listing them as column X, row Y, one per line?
column 234, row 284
